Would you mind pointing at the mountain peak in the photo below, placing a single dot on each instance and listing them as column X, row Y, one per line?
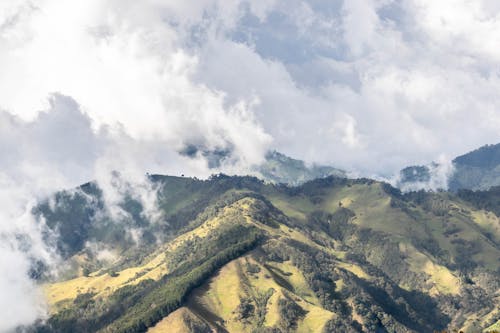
column 279, row 168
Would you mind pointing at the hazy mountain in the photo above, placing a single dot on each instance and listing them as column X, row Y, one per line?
column 233, row 254
column 279, row 168
column 476, row 170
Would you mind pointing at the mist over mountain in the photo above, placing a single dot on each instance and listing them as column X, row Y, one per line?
column 302, row 249
column 279, row 168
column 476, row 170
column 232, row 254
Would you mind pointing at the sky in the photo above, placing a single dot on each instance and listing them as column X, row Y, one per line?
column 88, row 87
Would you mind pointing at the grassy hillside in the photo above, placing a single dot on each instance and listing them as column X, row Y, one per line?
column 233, row 254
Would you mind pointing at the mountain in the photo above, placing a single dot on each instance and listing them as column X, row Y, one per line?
column 476, row 170
column 279, row 168
column 235, row 254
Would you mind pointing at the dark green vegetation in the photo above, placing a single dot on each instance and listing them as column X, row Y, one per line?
column 130, row 310
column 356, row 254
column 479, row 169
column 488, row 200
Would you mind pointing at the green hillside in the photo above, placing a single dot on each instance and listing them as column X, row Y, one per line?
column 233, row 254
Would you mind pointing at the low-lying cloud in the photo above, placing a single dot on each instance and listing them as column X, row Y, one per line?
column 61, row 148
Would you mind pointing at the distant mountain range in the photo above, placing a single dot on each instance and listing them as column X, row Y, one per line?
column 279, row 168
column 476, row 170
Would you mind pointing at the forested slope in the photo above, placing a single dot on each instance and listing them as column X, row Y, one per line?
column 233, row 254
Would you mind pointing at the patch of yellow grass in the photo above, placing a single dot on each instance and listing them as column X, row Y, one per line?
column 339, row 285
column 356, row 197
column 103, row 284
column 355, row 269
column 293, row 207
column 444, row 281
column 493, row 328
column 273, row 315
column 297, row 280
column 346, row 195
column 295, row 234
column 487, row 221
column 174, row 322
column 315, row 319
column 221, row 295
column 224, row 291
column 346, row 198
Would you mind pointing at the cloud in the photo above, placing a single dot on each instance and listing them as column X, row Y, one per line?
column 21, row 301
column 86, row 90
column 60, row 149
column 123, row 67
column 406, row 90
column 431, row 177
column 21, row 247
column 287, row 74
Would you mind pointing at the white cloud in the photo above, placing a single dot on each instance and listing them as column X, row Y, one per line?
column 120, row 67
column 412, row 94
column 407, row 73
column 439, row 173
column 21, row 244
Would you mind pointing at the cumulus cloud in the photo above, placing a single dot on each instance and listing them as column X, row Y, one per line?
column 370, row 78
column 370, row 86
column 86, row 90
column 124, row 67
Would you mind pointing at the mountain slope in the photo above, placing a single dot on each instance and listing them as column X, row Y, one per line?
column 233, row 254
column 476, row 170
column 279, row 168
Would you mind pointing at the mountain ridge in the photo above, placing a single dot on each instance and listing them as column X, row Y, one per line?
column 476, row 170
column 332, row 254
